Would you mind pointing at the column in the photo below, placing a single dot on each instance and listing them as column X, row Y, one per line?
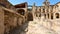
column 54, row 16
column 41, row 11
column 49, row 13
column 46, row 13
column 54, row 10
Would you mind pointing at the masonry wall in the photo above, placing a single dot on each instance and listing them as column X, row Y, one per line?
column 1, row 21
column 11, row 20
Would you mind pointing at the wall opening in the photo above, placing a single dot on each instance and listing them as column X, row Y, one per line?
column 51, row 15
column 21, row 11
column 30, row 17
column 40, row 15
column 48, row 16
column 57, row 15
column 45, row 16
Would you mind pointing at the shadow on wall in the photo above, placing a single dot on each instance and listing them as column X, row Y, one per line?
column 19, row 29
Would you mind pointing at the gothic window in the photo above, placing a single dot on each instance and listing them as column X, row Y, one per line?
column 57, row 15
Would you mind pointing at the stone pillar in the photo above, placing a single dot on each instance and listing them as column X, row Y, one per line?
column 49, row 13
column 46, row 13
column 54, row 10
column 41, row 11
column 54, row 17
column 38, row 11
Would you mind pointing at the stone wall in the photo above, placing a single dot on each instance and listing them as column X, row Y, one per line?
column 1, row 21
column 9, row 20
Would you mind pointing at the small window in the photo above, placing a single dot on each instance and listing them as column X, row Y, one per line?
column 57, row 15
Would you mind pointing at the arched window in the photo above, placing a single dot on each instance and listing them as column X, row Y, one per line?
column 51, row 15
column 48, row 16
column 40, row 15
column 57, row 15
column 45, row 16
column 21, row 11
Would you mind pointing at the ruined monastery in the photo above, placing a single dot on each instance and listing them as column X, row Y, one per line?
column 20, row 19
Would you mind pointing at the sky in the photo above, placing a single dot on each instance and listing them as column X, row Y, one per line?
column 30, row 2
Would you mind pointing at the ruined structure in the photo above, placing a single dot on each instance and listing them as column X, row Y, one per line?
column 10, row 17
column 13, row 16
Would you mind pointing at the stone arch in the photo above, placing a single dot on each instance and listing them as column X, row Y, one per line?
column 48, row 16
column 45, row 16
column 21, row 11
column 57, row 15
column 30, row 17
column 51, row 15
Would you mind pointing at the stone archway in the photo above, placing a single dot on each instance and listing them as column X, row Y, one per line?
column 57, row 15
column 51, row 15
column 21, row 11
column 30, row 17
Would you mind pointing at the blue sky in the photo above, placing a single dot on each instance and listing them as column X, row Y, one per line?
column 30, row 2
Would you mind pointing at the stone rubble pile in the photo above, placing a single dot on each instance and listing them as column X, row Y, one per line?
column 43, row 27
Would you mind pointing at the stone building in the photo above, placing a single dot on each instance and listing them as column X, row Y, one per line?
column 47, row 10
